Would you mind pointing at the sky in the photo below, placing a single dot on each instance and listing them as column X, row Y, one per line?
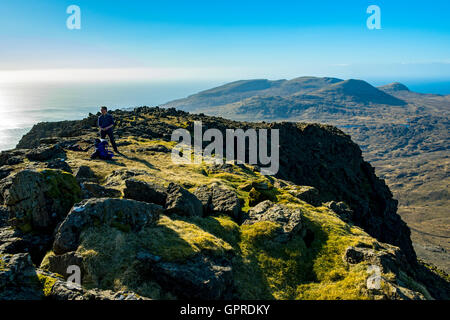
column 229, row 40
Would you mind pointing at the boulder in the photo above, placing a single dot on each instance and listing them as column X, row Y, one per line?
column 11, row 157
column 182, row 202
column 304, row 193
column 45, row 153
column 289, row 219
column 94, row 190
column 4, row 216
column 18, row 280
column 56, row 288
column 85, row 173
column 14, row 241
column 341, row 209
column 5, row 171
column 60, row 263
column 40, row 199
column 121, row 213
column 217, row 199
column 145, row 191
column 199, row 278
column 384, row 260
column 59, row 164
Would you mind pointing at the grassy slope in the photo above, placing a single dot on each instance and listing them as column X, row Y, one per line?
column 262, row 267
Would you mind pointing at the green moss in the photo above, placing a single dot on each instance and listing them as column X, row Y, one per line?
column 62, row 186
column 47, row 284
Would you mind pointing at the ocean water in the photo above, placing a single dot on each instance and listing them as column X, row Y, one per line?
column 24, row 104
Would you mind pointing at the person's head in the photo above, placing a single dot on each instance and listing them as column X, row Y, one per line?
column 104, row 110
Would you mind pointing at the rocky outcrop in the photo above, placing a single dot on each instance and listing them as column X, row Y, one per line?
column 145, row 191
column 182, row 202
column 217, row 199
column 121, row 213
column 18, row 279
column 290, row 220
column 38, row 200
column 45, row 153
column 85, row 174
column 202, row 278
column 385, row 260
column 14, row 241
column 305, row 193
column 341, row 209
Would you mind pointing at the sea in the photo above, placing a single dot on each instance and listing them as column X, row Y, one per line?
column 24, row 104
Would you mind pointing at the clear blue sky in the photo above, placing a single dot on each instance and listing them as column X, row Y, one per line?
column 230, row 39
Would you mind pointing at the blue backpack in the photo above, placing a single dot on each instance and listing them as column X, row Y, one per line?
column 101, row 150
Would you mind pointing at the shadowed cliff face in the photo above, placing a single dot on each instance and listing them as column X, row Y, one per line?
column 326, row 158
column 310, row 154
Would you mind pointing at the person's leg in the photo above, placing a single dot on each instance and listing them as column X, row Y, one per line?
column 111, row 138
column 102, row 134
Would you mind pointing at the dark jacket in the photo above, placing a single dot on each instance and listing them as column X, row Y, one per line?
column 105, row 120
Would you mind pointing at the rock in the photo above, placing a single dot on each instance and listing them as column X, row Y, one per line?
column 121, row 213
column 341, row 209
column 4, row 216
column 18, row 280
column 384, row 260
column 289, row 219
column 199, row 278
column 60, row 263
column 44, row 153
column 40, row 200
column 85, row 173
column 59, row 164
column 257, row 196
column 304, row 193
column 217, row 199
column 56, row 288
column 5, row 184
column 182, row 202
column 5, row 171
column 13, row 241
column 11, row 157
column 94, row 190
column 145, row 191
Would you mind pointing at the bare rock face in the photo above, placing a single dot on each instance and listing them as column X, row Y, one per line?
column 40, row 199
column 145, row 191
column 289, row 219
column 217, row 199
column 121, row 213
column 182, row 202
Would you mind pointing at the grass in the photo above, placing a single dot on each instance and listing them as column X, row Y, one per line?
column 262, row 267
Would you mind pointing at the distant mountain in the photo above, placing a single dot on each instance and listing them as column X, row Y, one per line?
column 394, row 87
column 358, row 91
column 284, row 98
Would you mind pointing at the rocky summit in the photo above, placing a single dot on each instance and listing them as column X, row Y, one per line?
column 141, row 227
